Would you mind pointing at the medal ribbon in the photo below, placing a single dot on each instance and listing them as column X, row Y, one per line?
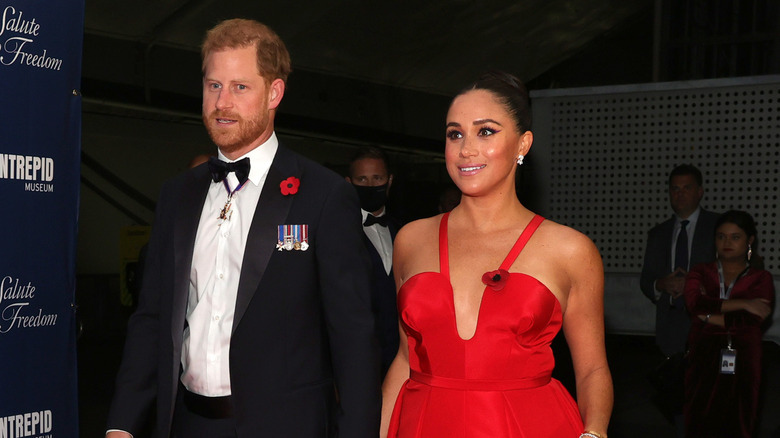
column 226, row 213
column 227, row 187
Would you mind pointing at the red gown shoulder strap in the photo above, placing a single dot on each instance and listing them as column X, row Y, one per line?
column 444, row 259
column 521, row 241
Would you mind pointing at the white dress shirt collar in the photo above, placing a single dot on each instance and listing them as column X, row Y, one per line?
column 366, row 213
column 691, row 219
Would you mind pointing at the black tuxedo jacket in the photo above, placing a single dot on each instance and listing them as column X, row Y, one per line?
column 384, row 305
column 672, row 321
column 303, row 319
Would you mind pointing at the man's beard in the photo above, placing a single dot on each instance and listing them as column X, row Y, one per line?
column 229, row 139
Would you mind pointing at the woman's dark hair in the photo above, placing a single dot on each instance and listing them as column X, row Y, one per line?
column 746, row 223
column 510, row 92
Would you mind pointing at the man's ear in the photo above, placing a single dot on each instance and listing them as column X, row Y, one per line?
column 389, row 181
column 275, row 93
column 349, row 180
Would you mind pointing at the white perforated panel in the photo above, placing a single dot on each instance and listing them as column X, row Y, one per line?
column 611, row 150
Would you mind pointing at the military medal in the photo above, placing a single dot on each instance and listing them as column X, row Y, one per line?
column 226, row 212
column 292, row 238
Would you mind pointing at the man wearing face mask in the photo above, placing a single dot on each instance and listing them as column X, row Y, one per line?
column 370, row 175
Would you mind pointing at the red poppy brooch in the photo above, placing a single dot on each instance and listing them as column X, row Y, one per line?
column 290, row 186
column 495, row 280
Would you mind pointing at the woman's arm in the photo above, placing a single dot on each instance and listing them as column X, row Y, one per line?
column 714, row 319
column 755, row 305
column 759, row 307
column 403, row 251
column 394, row 380
column 698, row 302
column 756, row 308
column 583, row 325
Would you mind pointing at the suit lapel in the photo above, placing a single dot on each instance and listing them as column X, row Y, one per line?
column 391, row 225
column 272, row 209
column 668, row 234
column 188, row 212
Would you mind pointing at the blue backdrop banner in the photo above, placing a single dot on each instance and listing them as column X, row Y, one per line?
column 40, row 135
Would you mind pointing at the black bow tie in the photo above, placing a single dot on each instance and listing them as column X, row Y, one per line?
column 371, row 220
column 220, row 169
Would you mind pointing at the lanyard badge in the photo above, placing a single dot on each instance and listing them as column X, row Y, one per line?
column 728, row 355
column 728, row 358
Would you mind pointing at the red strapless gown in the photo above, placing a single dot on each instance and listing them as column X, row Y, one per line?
column 496, row 384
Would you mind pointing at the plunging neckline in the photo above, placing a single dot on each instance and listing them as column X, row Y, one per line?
column 444, row 266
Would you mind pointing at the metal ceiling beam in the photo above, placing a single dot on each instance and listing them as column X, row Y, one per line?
column 160, row 30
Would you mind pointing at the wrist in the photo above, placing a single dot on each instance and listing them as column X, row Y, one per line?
column 591, row 434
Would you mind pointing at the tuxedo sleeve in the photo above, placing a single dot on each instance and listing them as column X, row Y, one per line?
column 136, row 384
column 344, row 270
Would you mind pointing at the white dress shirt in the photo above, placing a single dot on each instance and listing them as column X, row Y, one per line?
column 214, row 276
column 381, row 239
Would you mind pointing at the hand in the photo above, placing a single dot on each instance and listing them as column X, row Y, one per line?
column 677, row 290
column 674, row 283
column 118, row 434
column 757, row 306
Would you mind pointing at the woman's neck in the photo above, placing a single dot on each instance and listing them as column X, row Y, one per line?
column 491, row 213
column 737, row 265
column 732, row 269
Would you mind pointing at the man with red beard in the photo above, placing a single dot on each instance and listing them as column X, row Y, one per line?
column 255, row 310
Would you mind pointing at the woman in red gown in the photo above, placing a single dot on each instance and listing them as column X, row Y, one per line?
column 484, row 289
column 729, row 301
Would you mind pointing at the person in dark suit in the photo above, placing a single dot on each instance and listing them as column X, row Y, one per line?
column 255, row 310
column 673, row 246
column 370, row 174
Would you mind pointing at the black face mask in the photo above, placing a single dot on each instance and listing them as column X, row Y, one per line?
column 372, row 198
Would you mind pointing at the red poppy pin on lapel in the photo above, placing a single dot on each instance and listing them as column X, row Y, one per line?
column 290, row 186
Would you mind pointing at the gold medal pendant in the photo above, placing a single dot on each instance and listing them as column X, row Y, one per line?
column 226, row 212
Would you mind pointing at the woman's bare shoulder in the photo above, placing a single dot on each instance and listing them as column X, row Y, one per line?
column 566, row 240
column 572, row 252
column 419, row 230
column 415, row 248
